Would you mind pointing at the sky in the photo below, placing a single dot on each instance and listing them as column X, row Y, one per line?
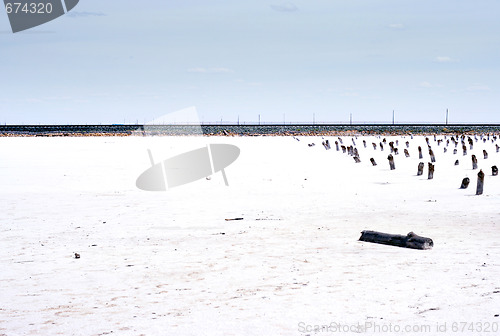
column 123, row 61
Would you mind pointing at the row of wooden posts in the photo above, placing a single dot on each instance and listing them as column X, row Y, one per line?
column 351, row 150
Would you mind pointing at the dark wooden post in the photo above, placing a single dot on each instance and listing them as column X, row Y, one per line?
column 372, row 160
column 407, row 154
column 485, row 153
column 498, row 148
column 474, row 162
column 464, row 147
column 364, row 143
column 445, row 150
column 356, row 159
column 340, row 140
column 455, row 151
column 420, row 169
column 381, row 147
column 337, row 145
column 431, row 171
column 431, row 153
column 480, row 183
column 391, row 145
column 494, row 170
column 465, row 183
column 471, row 143
column 343, row 149
column 353, row 142
column 411, row 240
column 391, row 162
column 374, row 145
column 355, row 152
column 407, row 144
column 420, row 156
column 396, row 151
column 457, row 163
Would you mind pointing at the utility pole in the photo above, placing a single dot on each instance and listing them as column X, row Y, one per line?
column 350, row 119
column 259, row 119
column 314, row 118
column 446, row 116
column 393, row 117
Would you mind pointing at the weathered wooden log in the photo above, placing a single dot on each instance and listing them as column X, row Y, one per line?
column 465, row 183
column 356, row 159
column 480, row 183
column 411, row 240
column 430, row 176
column 407, row 154
column 337, row 145
column 391, row 162
column 312, row 144
column 431, row 154
column 353, row 142
column 494, row 170
column 457, row 163
column 420, row 156
column 485, row 153
column 420, row 169
column 372, row 160
column 474, row 162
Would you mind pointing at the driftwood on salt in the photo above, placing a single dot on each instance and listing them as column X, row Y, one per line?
column 494, row 170
column 430, row 176
column 372, row 160
column 465, row 183
column 431, row 153
column 411, row 240
column 480, row 183
column 356, row 159
column 420, row 169
column 391, row 162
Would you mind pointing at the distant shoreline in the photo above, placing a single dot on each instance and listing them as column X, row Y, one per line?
column 244, row 130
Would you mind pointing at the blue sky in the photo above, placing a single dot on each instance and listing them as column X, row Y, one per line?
column 119, row 61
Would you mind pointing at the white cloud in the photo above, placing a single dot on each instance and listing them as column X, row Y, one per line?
column 210, row 70
column 444, row 59
column 285, row 7
column 478, row 87
column 426, row 84
column 397, row 26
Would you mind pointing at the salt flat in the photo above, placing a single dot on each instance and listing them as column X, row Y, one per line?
column 168, row 263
